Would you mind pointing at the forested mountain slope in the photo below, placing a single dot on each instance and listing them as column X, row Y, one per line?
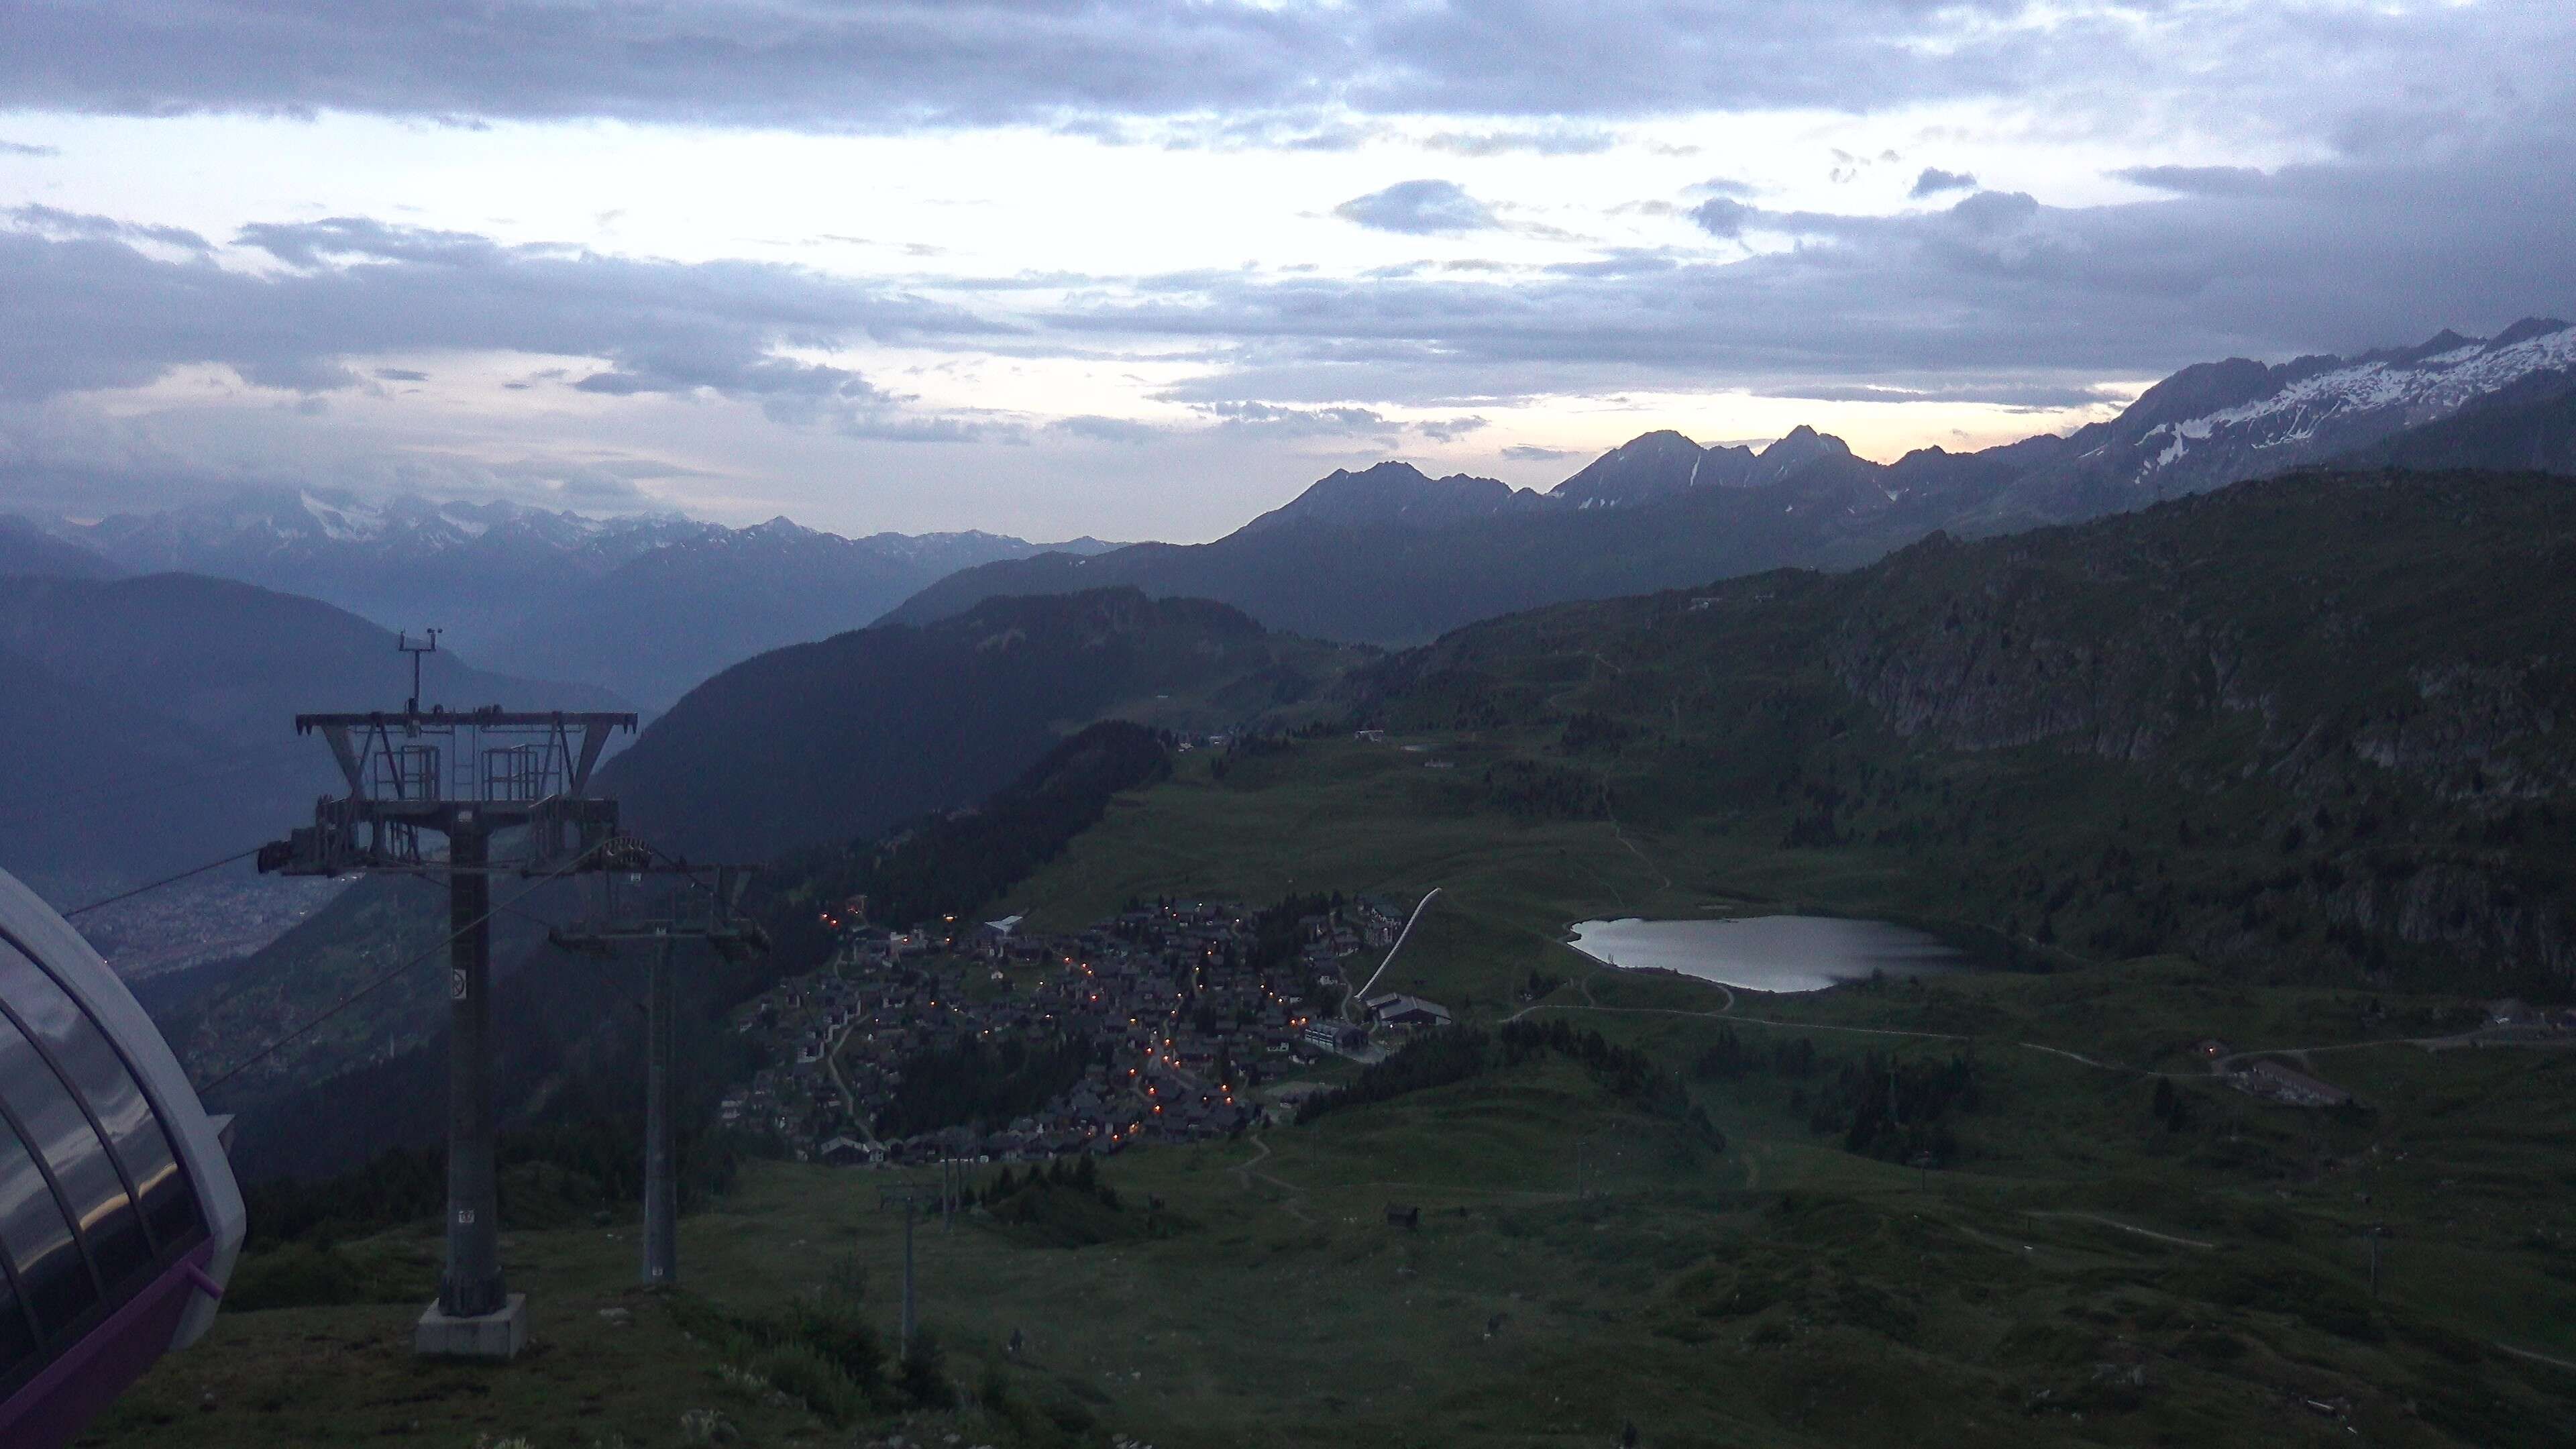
column 836, row 741
column 2314, row 724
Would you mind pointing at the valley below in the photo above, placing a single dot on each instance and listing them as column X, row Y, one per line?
column 2193, row 1145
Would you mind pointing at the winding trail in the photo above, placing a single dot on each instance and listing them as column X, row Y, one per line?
column 849, row 1099
column 2477, row 1037
column 2123, row 1227
column 2534, row 1357
column 1729, row 1014
column 1622, row 836
column 2079, row 1057
column 1245, row 1172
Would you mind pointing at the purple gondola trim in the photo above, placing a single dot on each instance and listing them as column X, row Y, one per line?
column 85, row 1378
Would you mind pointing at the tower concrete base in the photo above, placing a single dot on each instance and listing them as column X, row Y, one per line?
column 492, row 1335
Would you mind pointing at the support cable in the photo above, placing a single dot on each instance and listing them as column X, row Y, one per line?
column 354, row 997
column 606, row 978
column 244, row 981
column 158, row 884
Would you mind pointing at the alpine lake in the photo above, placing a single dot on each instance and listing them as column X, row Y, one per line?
column 1768, row 953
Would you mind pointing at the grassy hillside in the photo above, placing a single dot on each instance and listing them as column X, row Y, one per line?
column 2082, row 1272
column 2305, row 729
column 788, row 759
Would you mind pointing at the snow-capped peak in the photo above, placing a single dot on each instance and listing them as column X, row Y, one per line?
column 2427, row 388
column 2318, row 408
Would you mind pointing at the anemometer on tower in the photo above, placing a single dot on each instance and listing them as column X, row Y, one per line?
column 402, row 641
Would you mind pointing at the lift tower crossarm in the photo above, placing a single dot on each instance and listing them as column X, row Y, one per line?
column 380, row 725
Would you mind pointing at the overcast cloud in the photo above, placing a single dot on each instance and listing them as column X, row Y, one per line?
column 1495, row 237
column 964, row 62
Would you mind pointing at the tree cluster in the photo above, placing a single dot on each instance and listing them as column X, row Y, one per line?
column 951, row 865
column 1439, row 1059
column 1898, row 1111
column 977, row 1082
column 603, row 1157
column 1534, row 790
column 1082, row 1176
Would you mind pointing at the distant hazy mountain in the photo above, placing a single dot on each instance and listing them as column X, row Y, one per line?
column 837, row 741
column 646, row 606
column 1396, row 495
column 149, row 722
column 26, row 548
column 1390, row 556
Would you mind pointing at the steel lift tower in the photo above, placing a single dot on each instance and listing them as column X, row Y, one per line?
column 699, row 905
column 510, row 792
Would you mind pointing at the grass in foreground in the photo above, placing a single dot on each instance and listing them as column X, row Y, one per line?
column 2081, row 1273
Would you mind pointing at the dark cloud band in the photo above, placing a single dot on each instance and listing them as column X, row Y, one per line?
column 1994, row 298
column 901, row 64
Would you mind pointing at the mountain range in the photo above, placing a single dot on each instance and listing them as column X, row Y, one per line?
column 1389, row 555
column 195, row 679
column 2304, row 727
column 649, row 606
column 645, row 606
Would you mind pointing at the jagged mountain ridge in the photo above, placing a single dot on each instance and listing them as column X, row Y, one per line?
column 1396, row 494
column 646, row 605
column 2531, row 424
column 2223, row 422
column 1390, row 556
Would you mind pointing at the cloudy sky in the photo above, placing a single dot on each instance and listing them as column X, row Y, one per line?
column 1143, row 269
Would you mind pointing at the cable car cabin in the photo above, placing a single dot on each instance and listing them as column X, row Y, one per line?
column 119, row 1216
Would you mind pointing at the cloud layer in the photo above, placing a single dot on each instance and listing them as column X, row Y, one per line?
column 2035, row 299
column 954, row 62
column 92, row 307
column 1438, row 282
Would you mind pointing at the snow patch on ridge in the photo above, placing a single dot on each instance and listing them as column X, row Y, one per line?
column 2427, row 388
